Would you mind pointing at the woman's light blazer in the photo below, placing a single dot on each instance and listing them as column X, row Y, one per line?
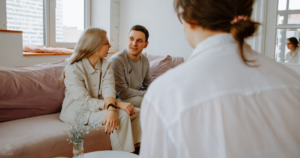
column 86, row 87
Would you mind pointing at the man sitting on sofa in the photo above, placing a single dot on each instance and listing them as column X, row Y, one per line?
column 131, row 68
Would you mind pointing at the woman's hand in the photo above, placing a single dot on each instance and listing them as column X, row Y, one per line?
column 127, row 107
column 110, row 120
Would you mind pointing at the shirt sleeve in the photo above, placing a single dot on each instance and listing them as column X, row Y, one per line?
column 108, row 83
column 122, row 88
column 75, row 85
column 155, row 138
column 148, row 78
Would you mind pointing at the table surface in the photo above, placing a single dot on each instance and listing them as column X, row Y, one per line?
column 110, row 154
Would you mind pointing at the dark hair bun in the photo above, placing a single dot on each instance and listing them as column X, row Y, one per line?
column 243, row 29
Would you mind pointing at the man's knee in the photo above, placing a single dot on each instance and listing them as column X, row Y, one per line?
column 136, row 101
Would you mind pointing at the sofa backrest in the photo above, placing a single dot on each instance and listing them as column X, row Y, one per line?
column 31, row 90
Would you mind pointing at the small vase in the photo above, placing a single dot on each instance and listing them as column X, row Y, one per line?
column 78, row 149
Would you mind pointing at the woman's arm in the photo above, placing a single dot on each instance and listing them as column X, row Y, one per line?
column 108, row 83
column 108, row 101
column 75, row 85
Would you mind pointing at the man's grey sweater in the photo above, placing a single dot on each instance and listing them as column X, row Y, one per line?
column 130, row 74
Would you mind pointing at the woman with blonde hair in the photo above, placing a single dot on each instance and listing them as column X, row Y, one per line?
column 90, row 87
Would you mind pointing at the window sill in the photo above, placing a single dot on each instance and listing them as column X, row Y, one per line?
column 44, row 54
column 11, row 31
column 53, row 54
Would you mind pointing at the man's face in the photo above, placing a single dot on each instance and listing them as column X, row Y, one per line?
column 136, row 42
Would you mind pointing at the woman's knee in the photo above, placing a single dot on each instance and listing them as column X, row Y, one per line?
column 123, row 115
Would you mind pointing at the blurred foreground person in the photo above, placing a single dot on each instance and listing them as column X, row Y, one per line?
column 226, row 101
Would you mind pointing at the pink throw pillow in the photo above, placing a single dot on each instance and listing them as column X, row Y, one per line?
column 28, row 91
column 160, row 65
column 175, row 60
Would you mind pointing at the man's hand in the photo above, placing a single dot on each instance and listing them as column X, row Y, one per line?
column 127, row 107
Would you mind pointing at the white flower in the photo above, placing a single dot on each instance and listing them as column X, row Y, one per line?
column 78, row 130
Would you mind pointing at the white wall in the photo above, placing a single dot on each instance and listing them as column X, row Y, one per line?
column 3, row 14
column 114, row 24
column 158, row 16
column 100, row 14
column 105, row 14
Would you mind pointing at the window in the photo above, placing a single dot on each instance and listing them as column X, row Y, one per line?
column 288, row 25
column 26, row 15
column 52, row 23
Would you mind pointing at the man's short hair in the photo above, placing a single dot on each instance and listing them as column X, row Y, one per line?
column 142, row 29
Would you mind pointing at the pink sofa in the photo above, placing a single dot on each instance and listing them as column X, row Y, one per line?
column 30, row 104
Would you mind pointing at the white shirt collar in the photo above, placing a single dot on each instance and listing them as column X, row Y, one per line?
column 213, row 41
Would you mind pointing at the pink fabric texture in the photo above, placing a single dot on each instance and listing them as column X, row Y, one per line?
column 28, row 91
column 33, row 49
column 45, row 137
column 159, row 65
column 175, row 60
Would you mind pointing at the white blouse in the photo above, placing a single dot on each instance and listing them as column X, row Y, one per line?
column 293, row 59
column 215, row 106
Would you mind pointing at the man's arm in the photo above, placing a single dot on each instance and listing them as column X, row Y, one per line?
column 122, row 88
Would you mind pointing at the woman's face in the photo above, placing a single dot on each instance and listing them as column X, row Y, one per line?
column 103, row 50
column 290, row 45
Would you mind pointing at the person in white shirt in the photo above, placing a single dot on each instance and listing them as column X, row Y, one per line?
column 226, row 101
column 293, row 56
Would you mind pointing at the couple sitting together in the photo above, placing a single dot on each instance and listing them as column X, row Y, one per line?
column 110, row 91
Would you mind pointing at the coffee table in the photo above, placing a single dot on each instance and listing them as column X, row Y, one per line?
column 110, row 154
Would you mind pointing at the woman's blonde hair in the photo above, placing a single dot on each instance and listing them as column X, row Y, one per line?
column 89, row 42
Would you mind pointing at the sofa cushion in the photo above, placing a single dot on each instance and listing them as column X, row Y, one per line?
column 159, row 66
column 175, row 60
column 31, row 90
column 44, row 137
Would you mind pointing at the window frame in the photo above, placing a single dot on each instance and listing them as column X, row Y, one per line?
column 285, row 13
column 50, row 24
column 270, row 34
column 271, row 24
